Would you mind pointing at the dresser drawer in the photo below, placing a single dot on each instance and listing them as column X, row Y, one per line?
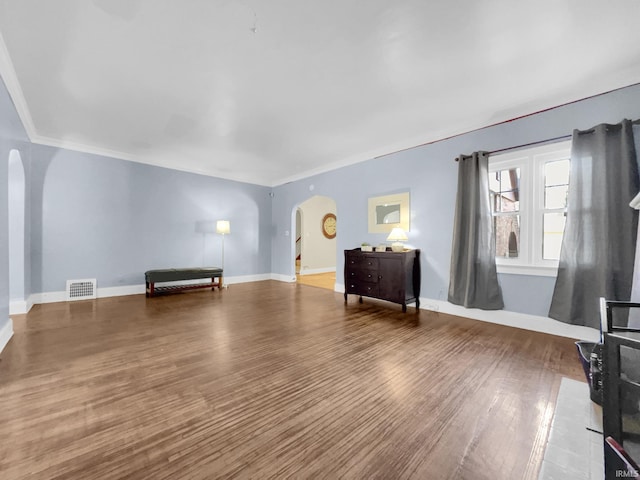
column 359, row 262
column 370, row 276
column 362, row 275
column 369, row 263
column 353, row 260
column 363, row 288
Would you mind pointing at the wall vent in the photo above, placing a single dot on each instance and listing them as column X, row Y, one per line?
column 81, row 289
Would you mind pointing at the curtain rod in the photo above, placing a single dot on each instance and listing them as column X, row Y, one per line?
column 548, row 140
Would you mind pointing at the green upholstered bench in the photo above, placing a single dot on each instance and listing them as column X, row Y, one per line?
column 177, row 274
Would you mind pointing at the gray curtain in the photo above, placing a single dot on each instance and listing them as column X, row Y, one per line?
column 598, row 247
column 473, row 279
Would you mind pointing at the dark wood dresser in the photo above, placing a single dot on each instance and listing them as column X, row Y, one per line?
column 391, row 276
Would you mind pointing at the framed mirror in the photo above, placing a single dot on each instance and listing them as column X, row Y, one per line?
column 388, row 212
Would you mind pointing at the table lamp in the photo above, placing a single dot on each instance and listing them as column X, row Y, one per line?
column 397, row 236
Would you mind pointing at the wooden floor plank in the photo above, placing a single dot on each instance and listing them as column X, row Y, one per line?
column 272, row 380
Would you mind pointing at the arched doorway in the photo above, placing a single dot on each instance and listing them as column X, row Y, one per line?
column 17, row 297
column 298, row 250
column 315, row 246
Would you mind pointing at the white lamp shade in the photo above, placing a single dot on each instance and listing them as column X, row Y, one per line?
column 397, row 235
column 223, row 227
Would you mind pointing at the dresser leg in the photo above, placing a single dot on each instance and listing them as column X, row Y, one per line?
column 404, row 307
column 345, row 298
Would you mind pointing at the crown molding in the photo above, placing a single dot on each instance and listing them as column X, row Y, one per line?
column 105, row 152
column 8, row 74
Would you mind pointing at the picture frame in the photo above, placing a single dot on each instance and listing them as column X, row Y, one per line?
column 388, row 212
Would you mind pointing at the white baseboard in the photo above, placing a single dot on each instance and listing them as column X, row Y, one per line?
column 53, row 297
column 18, row 307
column 5, row 334
column 314, row 271
column 247, row 278
column 120, row 291
column 502, row 317
column 513, row 319
column 48, row 297
column 30, row 303
column 283, row 278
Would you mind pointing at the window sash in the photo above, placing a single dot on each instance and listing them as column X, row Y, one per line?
column 531, row 164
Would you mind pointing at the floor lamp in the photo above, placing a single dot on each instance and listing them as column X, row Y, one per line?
column 223, row 228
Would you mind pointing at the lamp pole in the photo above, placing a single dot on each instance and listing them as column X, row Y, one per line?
column 223, row 253
column 223, row 228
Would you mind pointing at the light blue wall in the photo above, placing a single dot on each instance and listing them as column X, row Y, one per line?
column 97, row 217
column 430, row 174
column 12, row 136
column 90, row 216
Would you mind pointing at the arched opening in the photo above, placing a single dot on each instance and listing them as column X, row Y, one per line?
column 298, row 249
column 315, row 242
column 17, row 298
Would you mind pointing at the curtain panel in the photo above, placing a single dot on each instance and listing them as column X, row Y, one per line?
column 598, row 247
column 473, row 281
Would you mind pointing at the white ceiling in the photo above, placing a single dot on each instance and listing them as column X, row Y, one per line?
column 270, row 91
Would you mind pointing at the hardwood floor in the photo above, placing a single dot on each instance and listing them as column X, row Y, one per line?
column 321, row 280
column 272, row 380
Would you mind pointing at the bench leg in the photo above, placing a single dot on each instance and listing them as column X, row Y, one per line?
column 151, row 289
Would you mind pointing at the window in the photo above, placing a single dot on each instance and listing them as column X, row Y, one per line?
column 528, row 191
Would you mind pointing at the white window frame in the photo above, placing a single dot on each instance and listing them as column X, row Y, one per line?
column 531, row 162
